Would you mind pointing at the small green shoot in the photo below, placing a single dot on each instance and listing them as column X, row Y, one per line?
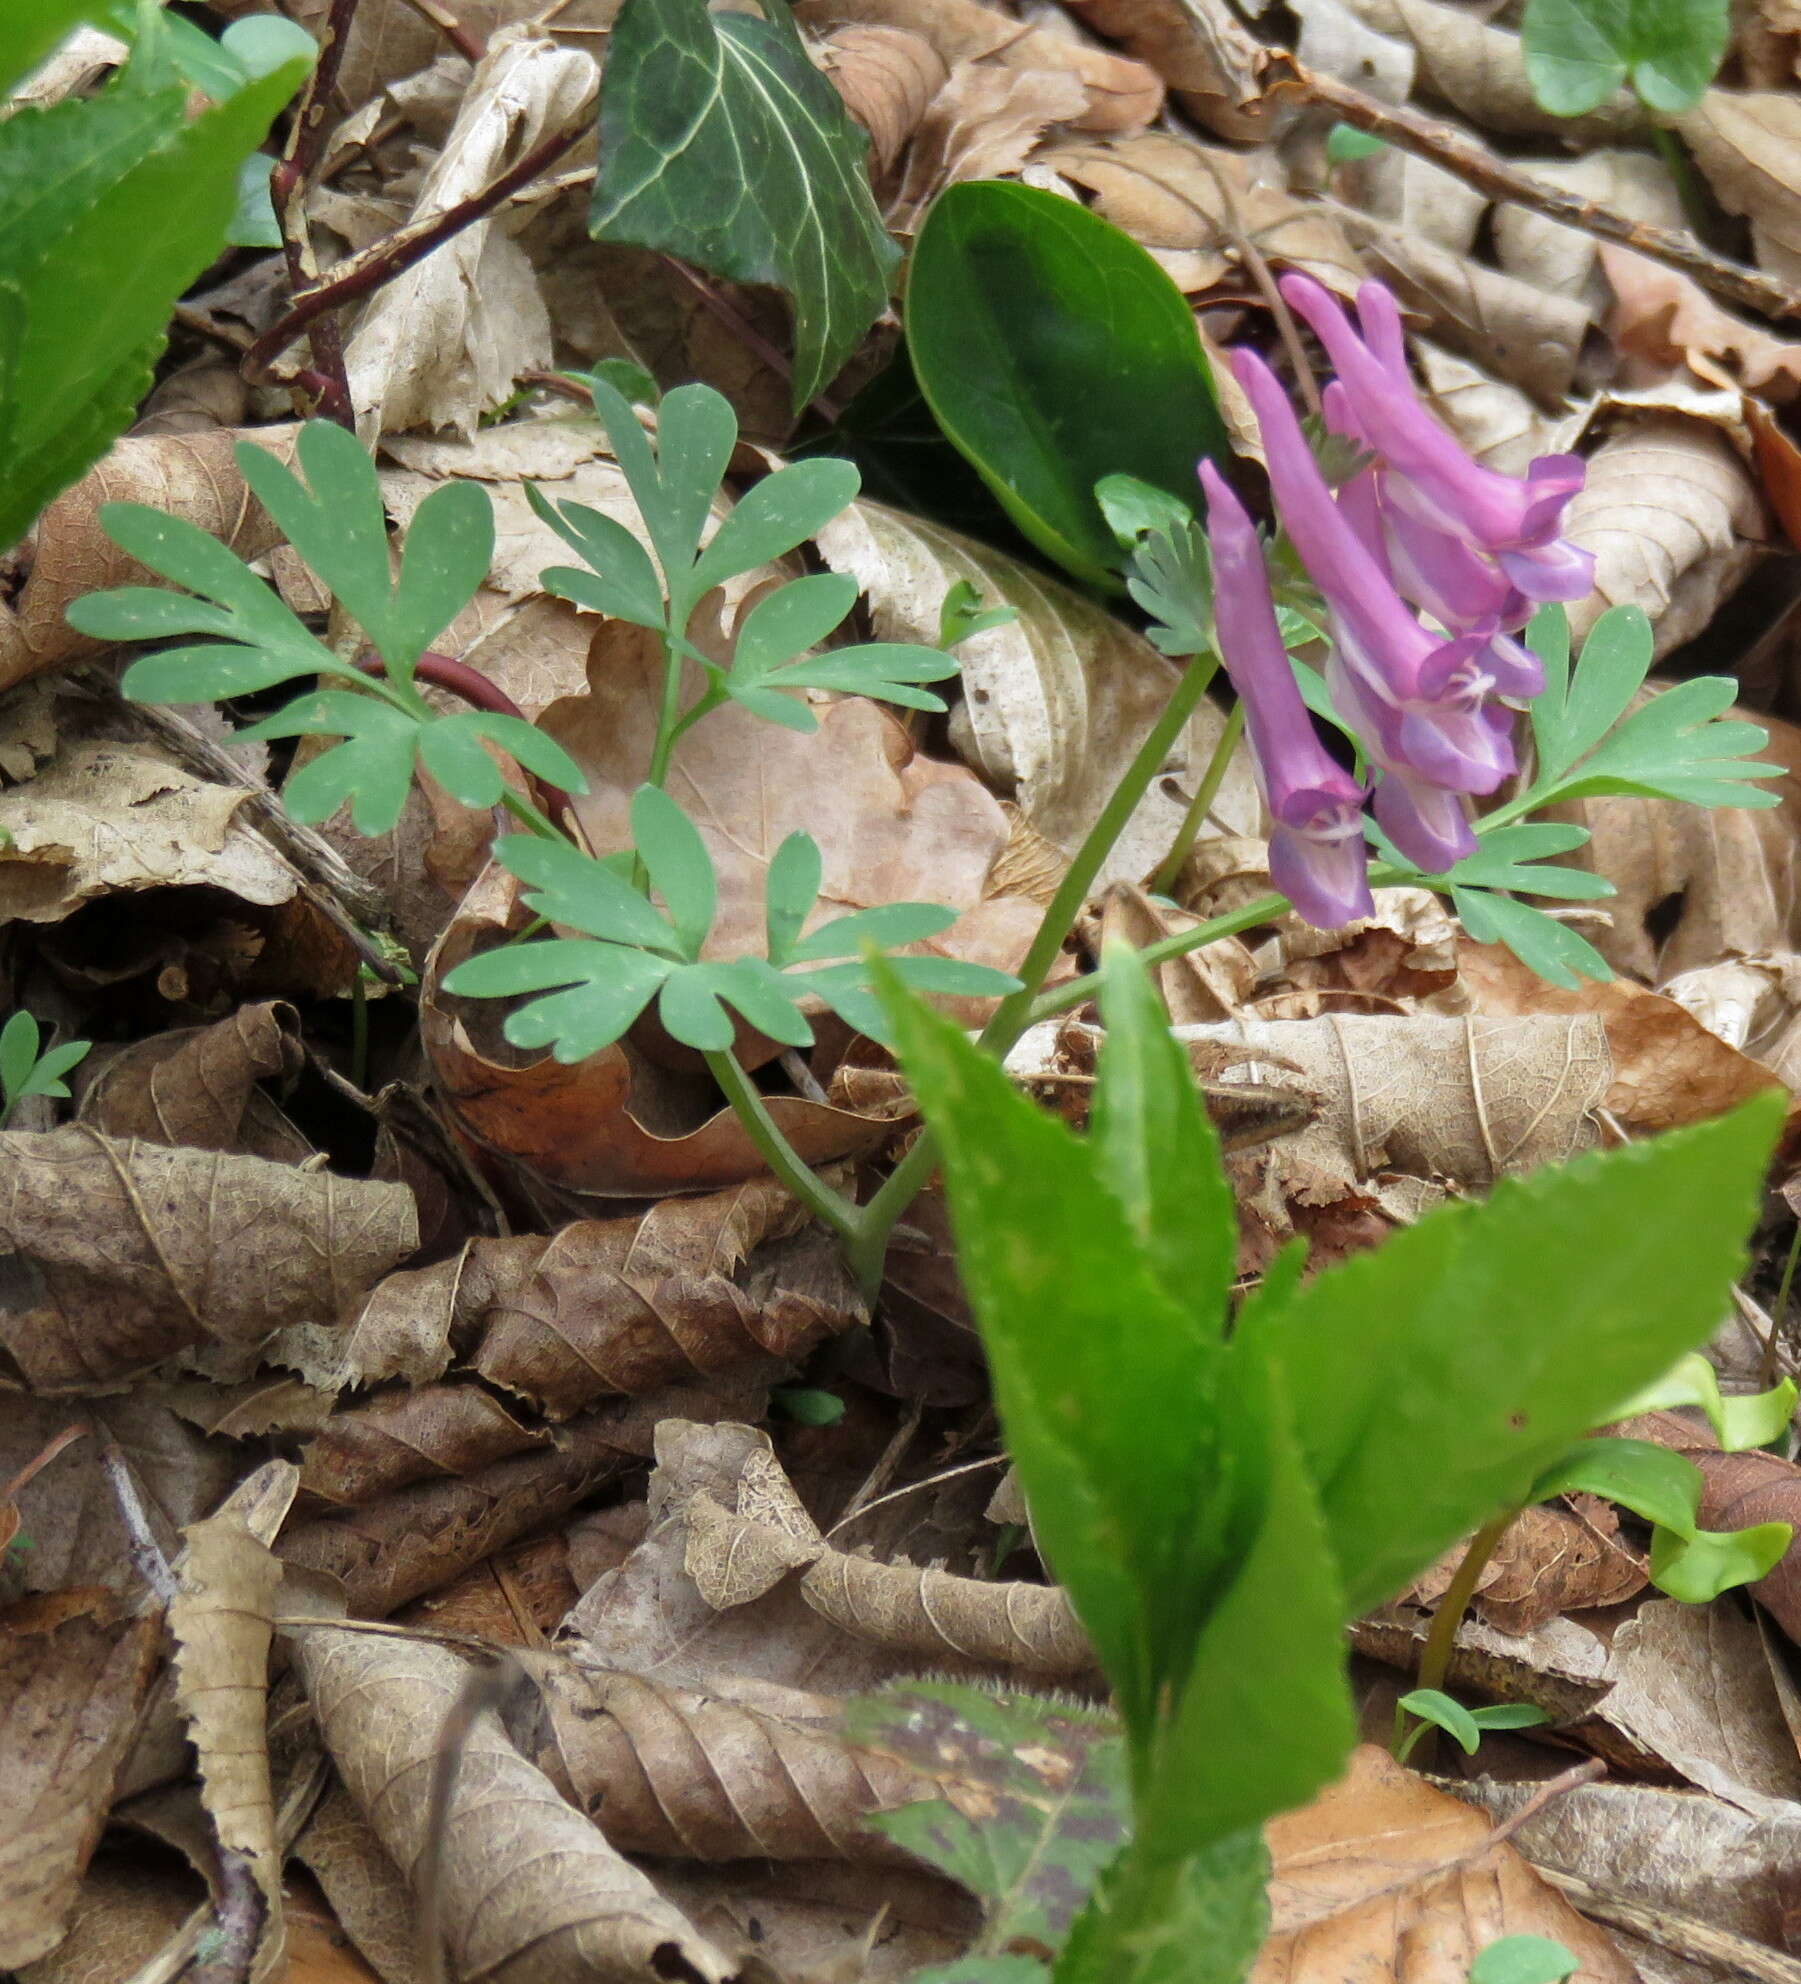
column 25, row 1070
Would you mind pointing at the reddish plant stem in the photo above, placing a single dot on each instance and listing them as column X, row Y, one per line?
column 444, row 671
column 325, row 381
column 382, row 260
column 468, row 44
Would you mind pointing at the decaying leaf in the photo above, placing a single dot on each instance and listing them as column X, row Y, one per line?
column 1661, row 316
column 1674, row 521
column 1384, row 1878
column 73, row 1672
column 528, row 1890
column 136, row 1251
column 1200, row 48
column 1056, row 703
column 1499, row 424
column 887, row 78
column 1748, row 143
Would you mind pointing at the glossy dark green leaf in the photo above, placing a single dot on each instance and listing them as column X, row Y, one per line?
column 1054, row 350
column 721, row 142
column 1378, row 1346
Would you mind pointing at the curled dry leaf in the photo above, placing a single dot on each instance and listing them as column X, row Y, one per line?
column 1751, row 1004
column 687, row 1289
column 1556, row 1559
column 887, row 76
column 370, row 1900
column 983, row 124
column 190, row 475
column 700, row 1775
column 1667, row 1067
column 1055, row 703
column 1207, row 56
column 422, row 1433
column 1191, row 203
column 1674, row 521
column 198, row 1086
column 1748, row 144
column 418, row 1538
column 1695, row 886
column 73, row 1674
column 1674, row 1850
column 108, row 818
column 1385, row 1879
column 134, row 1251
column 1122, row 95
column 1660, row 316
column 442, row 343
column 528, row 1891
column 1501, row 426
column 221, row 1623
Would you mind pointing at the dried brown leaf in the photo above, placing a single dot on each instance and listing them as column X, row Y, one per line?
column 1557, row 1559
column 442, row 343
column 1662, row 316
column 1123, row 95
column 1500, row 425
column 418, row 1538
column 1667, row 1067
column 1055, row 703
column 983, row 124
column 197, row 1086
column 727, row 1773
column 424, row 1433
column 1674, row 521
column 220, row 1621
column 1384, row 1879
column 135, row 1251
column 192, row 476
column 129, row 1915
column 1748, row 144
column 73, row 1675
column 528, row 1890
column 1188, row 201
column 369, row 1896
column 887, row 76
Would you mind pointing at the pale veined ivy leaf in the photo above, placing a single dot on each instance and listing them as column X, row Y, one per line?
column 677, row 861
column 783, row 510
column 790, row 890
column 574, row 890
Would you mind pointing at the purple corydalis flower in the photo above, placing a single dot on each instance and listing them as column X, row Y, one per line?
column 1317, row 855
column 1426, row 473
column 1418, row 702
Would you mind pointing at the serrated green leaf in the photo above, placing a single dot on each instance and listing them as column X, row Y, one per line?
column 1054, row 350
column 1559, row 954
column 783, row 510
column 1050, row 1781
column 1199, row 1919
column 87, row 299
column 1171, row 578
column 1378, row 1344
column 790, row 890
column 689, row 97
column 1579, row 52
column 676, row 859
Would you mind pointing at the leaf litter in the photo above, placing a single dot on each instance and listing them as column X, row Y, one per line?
column 343, row 1319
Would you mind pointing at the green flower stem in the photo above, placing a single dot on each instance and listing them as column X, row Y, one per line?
column 528, row 815
column 778, row 1153
column 1435, row 1659
column 1201, row 805
column 867, row 1246
column 669, row 723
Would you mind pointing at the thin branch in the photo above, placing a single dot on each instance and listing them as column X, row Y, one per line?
column 1471, row 161
column 141, row 1546
column 1682, row 1935
column 383, row 260
column 1553, row 1788
column 467, row 43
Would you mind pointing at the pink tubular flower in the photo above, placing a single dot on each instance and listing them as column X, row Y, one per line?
column 1317, row 855
column 1426, row 476
column 1420, row 703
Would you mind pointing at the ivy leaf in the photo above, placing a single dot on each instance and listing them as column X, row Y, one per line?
column 261, row 641
column 689, row 97
column 1579, row 52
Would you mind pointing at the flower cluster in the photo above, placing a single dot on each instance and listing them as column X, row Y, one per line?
column 1427, row 565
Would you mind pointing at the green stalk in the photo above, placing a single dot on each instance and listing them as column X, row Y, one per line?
column 669, row 716
column 528, row 815
column 1435, row 1659
column 1200, row 806
column 778, row 1153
